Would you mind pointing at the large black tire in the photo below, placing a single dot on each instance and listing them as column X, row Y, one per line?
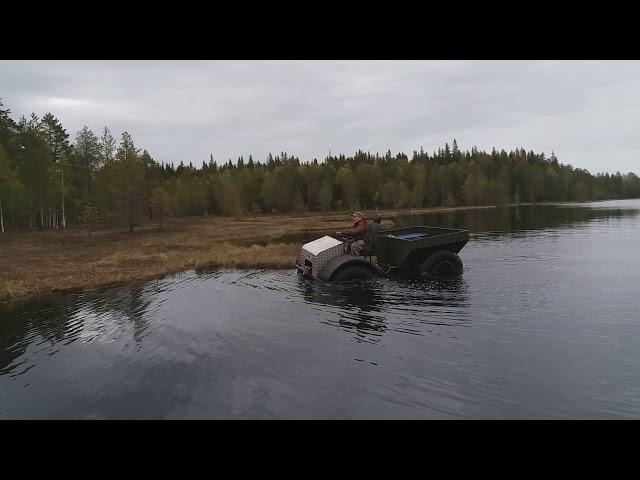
column 442, row 263
column 352, row 272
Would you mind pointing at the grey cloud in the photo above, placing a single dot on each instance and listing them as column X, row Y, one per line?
column 587, row 112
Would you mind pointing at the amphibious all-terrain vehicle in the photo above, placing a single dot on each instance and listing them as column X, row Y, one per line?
column 412, row 251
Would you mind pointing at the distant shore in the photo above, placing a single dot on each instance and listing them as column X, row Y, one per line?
column 35, row 264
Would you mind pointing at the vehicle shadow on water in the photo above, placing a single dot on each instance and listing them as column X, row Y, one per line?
column 355, row 306
column 371, row 308
column 420, row 304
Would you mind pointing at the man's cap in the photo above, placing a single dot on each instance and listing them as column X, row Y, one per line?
column 357, row 214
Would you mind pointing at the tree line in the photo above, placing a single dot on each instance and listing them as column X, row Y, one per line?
column 48, row 180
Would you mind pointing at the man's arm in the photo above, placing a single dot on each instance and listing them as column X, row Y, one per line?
column 352, row 232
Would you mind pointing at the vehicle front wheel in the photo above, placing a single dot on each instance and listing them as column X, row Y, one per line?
column 441, row 263
column 352, row 272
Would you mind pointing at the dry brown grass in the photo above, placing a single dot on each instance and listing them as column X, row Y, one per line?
column 40, row 263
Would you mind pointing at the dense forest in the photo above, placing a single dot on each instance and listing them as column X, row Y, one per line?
column 48, row 180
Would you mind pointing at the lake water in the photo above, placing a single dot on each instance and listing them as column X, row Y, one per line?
column 544, row 323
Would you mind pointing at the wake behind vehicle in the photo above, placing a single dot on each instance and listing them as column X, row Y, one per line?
column 413, row 251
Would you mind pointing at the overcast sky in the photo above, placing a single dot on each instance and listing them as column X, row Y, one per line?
column 588, row 113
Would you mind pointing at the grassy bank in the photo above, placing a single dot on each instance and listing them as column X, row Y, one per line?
column 39, row 263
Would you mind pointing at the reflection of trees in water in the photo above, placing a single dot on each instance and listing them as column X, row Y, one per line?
column 128, row 305
column 517, row 218
column 62, row 319
column 24, row 322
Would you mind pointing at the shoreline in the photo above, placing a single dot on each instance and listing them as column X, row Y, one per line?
column 52, row 263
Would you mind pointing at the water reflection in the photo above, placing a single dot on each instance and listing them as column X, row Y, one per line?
column 357, row 305
column 419, row 305
column 29, row 330
column 362, row 307
column 127, row 306
column 494, row 221
column 22, row 326
column 517, row 220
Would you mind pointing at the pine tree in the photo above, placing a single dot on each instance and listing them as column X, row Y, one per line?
column 8, row 129
column 129, row 173
column 10, row 188
column 56, row 137
column 325, row 197
column 160, row 202
column 34, row 163
column 298, row 204
column 87, row 158
column 107, row 146
column 89, row 218
column 345, row 181
column 455, row 152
